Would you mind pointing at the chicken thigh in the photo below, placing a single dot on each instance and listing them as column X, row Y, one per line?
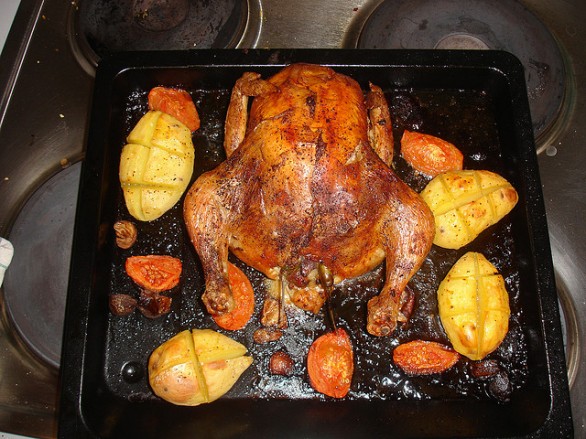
column 307, row 181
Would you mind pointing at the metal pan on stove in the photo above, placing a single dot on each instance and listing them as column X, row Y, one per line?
column 478, row 98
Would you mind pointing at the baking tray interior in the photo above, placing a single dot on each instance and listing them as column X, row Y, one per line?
column 477, row 101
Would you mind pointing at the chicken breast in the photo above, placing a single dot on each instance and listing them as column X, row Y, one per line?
column 307, row 181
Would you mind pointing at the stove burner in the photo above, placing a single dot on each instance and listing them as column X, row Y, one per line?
column 570, row 329
column 103, row 27
column 461, row 42
column 479, row 24
column 160, row 15
column 35, row 286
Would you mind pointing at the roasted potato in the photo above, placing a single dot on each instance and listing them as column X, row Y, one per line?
column 155, row 165
column 196, row 367
column 465, row 203
column 474, row 306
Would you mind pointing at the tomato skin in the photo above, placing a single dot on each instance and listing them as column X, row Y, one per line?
column 154, row 272
column 429, row 154
column 243, row 301
column 177, row 103
column 420, row 357
column 330, row 363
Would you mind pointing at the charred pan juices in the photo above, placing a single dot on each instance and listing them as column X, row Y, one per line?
column 308, row 187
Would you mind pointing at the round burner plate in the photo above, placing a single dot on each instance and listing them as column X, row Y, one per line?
column 477, row 24
column 103, row 27
column 35, row 286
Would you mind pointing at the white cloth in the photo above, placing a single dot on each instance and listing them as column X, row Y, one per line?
column 6, row 252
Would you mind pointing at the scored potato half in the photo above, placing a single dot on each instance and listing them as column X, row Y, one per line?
column 196, row 367
column 465, row 203
column 474, row 306
column 156, row 165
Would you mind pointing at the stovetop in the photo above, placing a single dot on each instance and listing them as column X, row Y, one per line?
column 47, row 79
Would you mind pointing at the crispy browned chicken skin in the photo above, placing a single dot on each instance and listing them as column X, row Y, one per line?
column 308, row 181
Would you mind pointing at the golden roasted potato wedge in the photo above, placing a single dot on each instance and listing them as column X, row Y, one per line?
column 465, row 203
column 156, row 165
column 178, row 374
column 474, row 306
column 212, row 346
column 221, row 375
column 175, row 373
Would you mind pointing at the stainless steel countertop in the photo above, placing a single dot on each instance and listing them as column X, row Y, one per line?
column 37, row 140
column 7, row 12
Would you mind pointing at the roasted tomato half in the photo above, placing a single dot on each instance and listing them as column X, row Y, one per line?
column 429, row 154
column 330, row 364
column 154, row 272
column 243, row 295
column 177, row 103
column 420, row 357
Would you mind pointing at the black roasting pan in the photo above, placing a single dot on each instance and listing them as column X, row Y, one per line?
column 477, row 100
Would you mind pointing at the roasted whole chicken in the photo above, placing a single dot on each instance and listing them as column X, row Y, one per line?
column 308, row 182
